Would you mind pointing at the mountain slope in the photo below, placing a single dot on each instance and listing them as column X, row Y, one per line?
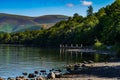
column 50, row 19
column 14, row 23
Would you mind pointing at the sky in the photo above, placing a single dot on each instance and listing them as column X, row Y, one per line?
column 36, row 8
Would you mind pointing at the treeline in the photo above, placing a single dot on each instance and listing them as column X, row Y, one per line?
column 102, row 28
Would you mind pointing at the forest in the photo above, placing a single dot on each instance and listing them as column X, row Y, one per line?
column 98, row 29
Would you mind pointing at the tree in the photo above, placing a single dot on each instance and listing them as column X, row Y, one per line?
column 75, row 15
column 77, row 18
column 90, row 11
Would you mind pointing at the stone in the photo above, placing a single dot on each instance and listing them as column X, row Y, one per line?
column 25, row 73
column 1, row 78
column 58, row 74
column 10, row 78
column 31, row 75
column 51, row 75
column 39, row 78
column 36, row 72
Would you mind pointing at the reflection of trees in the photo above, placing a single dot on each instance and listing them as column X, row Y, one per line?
column 96, row 57
column 77, row 57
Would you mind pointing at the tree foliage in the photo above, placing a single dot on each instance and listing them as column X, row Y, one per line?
column 90, row 11
column 103, row 25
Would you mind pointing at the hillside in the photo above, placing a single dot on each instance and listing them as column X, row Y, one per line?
column 100, row 29
column 15, row 23
column 50, row 19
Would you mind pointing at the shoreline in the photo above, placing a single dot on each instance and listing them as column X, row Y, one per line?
column 92, row 71
column 104, row 70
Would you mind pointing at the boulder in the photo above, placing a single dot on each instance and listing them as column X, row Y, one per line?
column 39, row 78
column 51, row 75
column 58, row 74
column 25, row 74
column 31, row 75
column 1, row 78
column 10, row 78
column 36, row 72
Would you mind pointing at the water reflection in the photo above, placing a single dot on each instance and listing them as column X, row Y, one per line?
column 77, row 57
column 17, row 59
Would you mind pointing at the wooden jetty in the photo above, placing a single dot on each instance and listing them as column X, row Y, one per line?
column 66, row 46
column 80, row 48
column 76, row 48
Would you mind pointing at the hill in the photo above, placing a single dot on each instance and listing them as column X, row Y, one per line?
column 100, row 29
column 50, row 19
column 15, row 23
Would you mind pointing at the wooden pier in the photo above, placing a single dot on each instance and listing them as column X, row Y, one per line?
column 66, row 46
column 80, row 48
column 76, row 48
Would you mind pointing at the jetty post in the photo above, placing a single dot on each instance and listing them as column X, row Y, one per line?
column 66, row 45
column 71, row 45
column 60, row 45
column 81, row 45
column 76, row 45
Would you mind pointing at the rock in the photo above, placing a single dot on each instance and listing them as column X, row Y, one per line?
column 58, row 70
column 31, row 75
column 36, row 72
column 51, row 70
column 10, row 78
column 85, row 62
column 76, row 67
column 42, row 71
column 1, row 78
column 91, row 61
column 58, row 74
column 21, row 78
column 32, row 79
column 25, row 74
column 68, row 69
column 51, row 75
column 83, row 65
column 39, row 78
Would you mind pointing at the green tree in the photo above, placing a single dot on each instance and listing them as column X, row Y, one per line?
column 90, row 11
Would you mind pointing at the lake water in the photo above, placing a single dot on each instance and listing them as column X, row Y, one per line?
column 17, row 59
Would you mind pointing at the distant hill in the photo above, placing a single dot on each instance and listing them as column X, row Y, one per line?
column 50, row 19
column 15, row 23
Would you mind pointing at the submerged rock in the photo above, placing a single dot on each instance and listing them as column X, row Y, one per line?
column 36, row 72
column 25, row 73
column 31, row 75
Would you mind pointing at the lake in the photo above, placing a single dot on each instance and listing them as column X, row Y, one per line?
column 17, row 59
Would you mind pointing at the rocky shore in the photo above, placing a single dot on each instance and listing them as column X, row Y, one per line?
column 81, row 71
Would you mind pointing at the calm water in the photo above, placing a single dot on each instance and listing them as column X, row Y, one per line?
column 17, row 59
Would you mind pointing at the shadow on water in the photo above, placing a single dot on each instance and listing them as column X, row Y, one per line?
column 108, row 72
column 78, row 57
column 99, row 71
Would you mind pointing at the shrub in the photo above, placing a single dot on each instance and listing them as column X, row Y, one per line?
column 99, row 45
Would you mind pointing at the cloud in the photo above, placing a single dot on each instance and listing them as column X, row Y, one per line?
column 70, row 5
column 87, row 3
